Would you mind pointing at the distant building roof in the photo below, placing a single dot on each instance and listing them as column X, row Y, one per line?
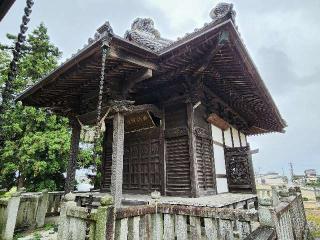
column 310, row 172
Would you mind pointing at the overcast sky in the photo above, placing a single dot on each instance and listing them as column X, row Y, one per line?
column 282, row 37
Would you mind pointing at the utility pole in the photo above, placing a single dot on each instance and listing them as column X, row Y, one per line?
column 291, row 171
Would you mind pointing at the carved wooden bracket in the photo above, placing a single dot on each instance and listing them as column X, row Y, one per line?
column 202, row 133
column 218, row 121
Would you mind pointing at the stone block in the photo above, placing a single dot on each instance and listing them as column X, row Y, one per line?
column 42, row 209
column 9, row 216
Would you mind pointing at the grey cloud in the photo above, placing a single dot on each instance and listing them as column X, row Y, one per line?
column 276, row 67
column 71, row 23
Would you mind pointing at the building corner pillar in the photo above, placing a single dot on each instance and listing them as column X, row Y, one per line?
column 117, row 158
column 74, row 152
column 192, row 152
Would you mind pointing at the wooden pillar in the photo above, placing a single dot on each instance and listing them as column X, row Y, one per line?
column 74, row 151
column 162, row 154
column 192, row 152
column 117, row 158
column 253, row 179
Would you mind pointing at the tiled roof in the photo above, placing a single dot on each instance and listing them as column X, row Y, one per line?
column 143, row 33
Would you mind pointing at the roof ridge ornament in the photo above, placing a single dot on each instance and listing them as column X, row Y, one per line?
column 222, row 10
column 144, row 33
column 104, row 32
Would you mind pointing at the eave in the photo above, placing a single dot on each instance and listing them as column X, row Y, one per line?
column 142, row 61
column 5, row 5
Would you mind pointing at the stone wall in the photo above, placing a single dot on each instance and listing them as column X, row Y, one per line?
column 282, row 210
column 153, row 221
column 80, row 223
column 25, row 211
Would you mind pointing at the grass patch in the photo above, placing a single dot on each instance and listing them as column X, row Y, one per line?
column 313, row 218
column 49, row 226
column 17, row 235
column 37, row 236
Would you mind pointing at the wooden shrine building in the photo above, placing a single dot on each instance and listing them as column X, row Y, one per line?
column 178, row 111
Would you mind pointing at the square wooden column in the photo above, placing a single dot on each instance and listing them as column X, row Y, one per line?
column 117, row 158
column 192, row 152
column 74, row 151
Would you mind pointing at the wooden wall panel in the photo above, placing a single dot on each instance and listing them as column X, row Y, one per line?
column 177, row 154
column 106, row 159
column 200, row 118
column 176, row 116
column 204, row 155
column 178, row 166
column 204, row 152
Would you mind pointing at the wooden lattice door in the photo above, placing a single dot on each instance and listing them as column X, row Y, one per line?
column 141, row 162
column 239, row 169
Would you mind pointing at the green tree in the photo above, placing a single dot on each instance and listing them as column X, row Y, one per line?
column 35, row 143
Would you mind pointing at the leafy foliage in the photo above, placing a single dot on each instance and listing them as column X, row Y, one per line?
column 314, row 184
column 35, row 143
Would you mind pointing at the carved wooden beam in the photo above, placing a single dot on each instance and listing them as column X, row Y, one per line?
column 88, row 118
column 131, row 81
column 122, row 55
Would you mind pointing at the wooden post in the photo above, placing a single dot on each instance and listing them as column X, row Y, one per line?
column 117, row 158
column 192, row 152
column 74, row 150
column 253, row 179
column 162, row 151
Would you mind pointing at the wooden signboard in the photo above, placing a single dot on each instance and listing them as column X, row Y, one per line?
column 138, row 121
